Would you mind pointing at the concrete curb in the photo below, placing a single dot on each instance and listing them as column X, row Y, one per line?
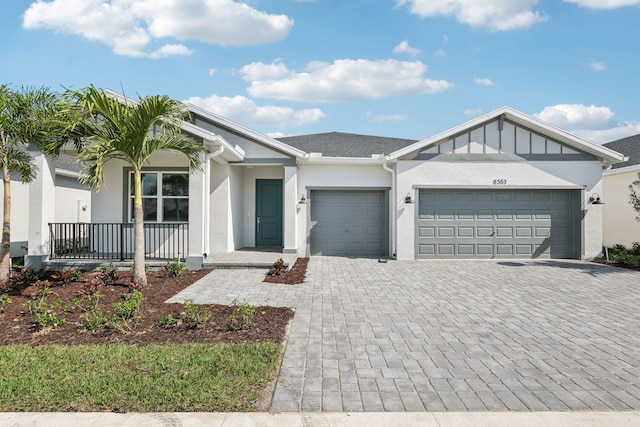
column 324, row 419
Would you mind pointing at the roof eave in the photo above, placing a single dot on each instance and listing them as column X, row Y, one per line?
column 257, row 136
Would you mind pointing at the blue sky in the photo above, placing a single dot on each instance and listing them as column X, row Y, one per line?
column 401, row 68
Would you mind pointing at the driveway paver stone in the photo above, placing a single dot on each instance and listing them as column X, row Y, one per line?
column 450, row 335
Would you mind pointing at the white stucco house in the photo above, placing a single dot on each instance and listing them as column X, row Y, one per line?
column 619, row 222
column 68, row 201
column 503, row 185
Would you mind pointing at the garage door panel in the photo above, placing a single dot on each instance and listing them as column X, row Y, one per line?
column 446, row 249
column 484, row 231
column 426, row 231
column 496, row 224
column 426, row 249
column 506, row 232
column 484, row 250
column 348, row 223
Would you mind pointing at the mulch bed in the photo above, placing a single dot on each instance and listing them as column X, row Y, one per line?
column 617, row 264
column 17, row 325
column 294, row 276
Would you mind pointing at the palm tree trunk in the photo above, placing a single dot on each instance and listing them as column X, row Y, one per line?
column 5, row 247
column 139, row 273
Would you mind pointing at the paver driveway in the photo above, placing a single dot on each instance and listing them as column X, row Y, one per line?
column 450, row 335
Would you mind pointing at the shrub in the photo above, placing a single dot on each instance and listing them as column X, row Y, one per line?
column 4, row 299
column 46, row 315
column 108, row 274
column 67, row 276
column 125, row 313
column 195, row 316
column 23, row 277
column 635, row 248
column 168, row 321
column 242, row 316
column 277, row 268
column 174, row 268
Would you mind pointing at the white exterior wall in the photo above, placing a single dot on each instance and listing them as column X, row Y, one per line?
column 413, row 175
column 338, row 177
column 619, row 224
column 19, row 217
column 71, row 198
column 108, row 203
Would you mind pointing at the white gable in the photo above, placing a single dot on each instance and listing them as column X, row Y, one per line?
column 500, row 137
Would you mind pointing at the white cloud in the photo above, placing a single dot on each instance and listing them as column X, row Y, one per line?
column 170, row 50
column 473, row 112
column 590, row 122
column 130, row 26
column 574, row 116
column 483, row 82
column 495, row 15
column 597, row 65
column 604, row 4
column 212, row 72
column 381, row 118
column 404, row 47
column 342, row 80
column 619, row 131
column 441, row 53
column 245, row 111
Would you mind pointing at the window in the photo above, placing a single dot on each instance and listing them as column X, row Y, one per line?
column 165, row 196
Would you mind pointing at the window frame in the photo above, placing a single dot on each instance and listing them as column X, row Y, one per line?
column 159, row 197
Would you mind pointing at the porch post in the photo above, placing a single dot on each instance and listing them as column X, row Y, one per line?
column 42, row 210
column 197, row 190
column 290, row 200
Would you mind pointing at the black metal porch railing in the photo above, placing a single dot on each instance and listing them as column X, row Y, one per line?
column 115, row 241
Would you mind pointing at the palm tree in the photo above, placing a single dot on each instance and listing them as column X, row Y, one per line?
column 27, row 116
column 119, row 128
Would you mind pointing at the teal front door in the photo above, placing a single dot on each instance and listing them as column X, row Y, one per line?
column 268, row 212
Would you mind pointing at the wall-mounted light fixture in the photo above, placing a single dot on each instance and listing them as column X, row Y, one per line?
column 303, row 200
column 408, row 199
column 595, row 199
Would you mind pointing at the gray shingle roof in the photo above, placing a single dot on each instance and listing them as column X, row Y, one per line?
column 629, row 146
column 338, row 144
column 68, row 163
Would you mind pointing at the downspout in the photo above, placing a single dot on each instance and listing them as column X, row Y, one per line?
column 207, row 198
column 394, row 210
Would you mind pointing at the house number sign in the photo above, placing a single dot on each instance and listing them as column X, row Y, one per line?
column 500, row 181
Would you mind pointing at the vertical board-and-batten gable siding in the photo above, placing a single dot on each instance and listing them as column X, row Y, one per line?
column 251, row 148
column 490, row 139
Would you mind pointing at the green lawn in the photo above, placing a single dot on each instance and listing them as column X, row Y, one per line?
column 124, row 378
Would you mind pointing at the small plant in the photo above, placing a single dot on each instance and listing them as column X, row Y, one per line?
column 95, row 319
column 242, row 316
column 133, row 286
column 4, row 300
column 168, row 321
column 108, row 274
column 67, row 276
column 174, row 268
column 277, row 268
column 23, row 277
column 46, row 315
column 195, row 316
column 635, row 248
column 125, row 313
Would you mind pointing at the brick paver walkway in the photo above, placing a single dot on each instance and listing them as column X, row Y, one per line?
column 450, row 335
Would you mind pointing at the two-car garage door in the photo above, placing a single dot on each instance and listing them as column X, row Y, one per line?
column 497, row 224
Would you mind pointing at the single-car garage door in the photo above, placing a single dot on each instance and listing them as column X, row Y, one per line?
column 348, row 223
column 498, row 224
